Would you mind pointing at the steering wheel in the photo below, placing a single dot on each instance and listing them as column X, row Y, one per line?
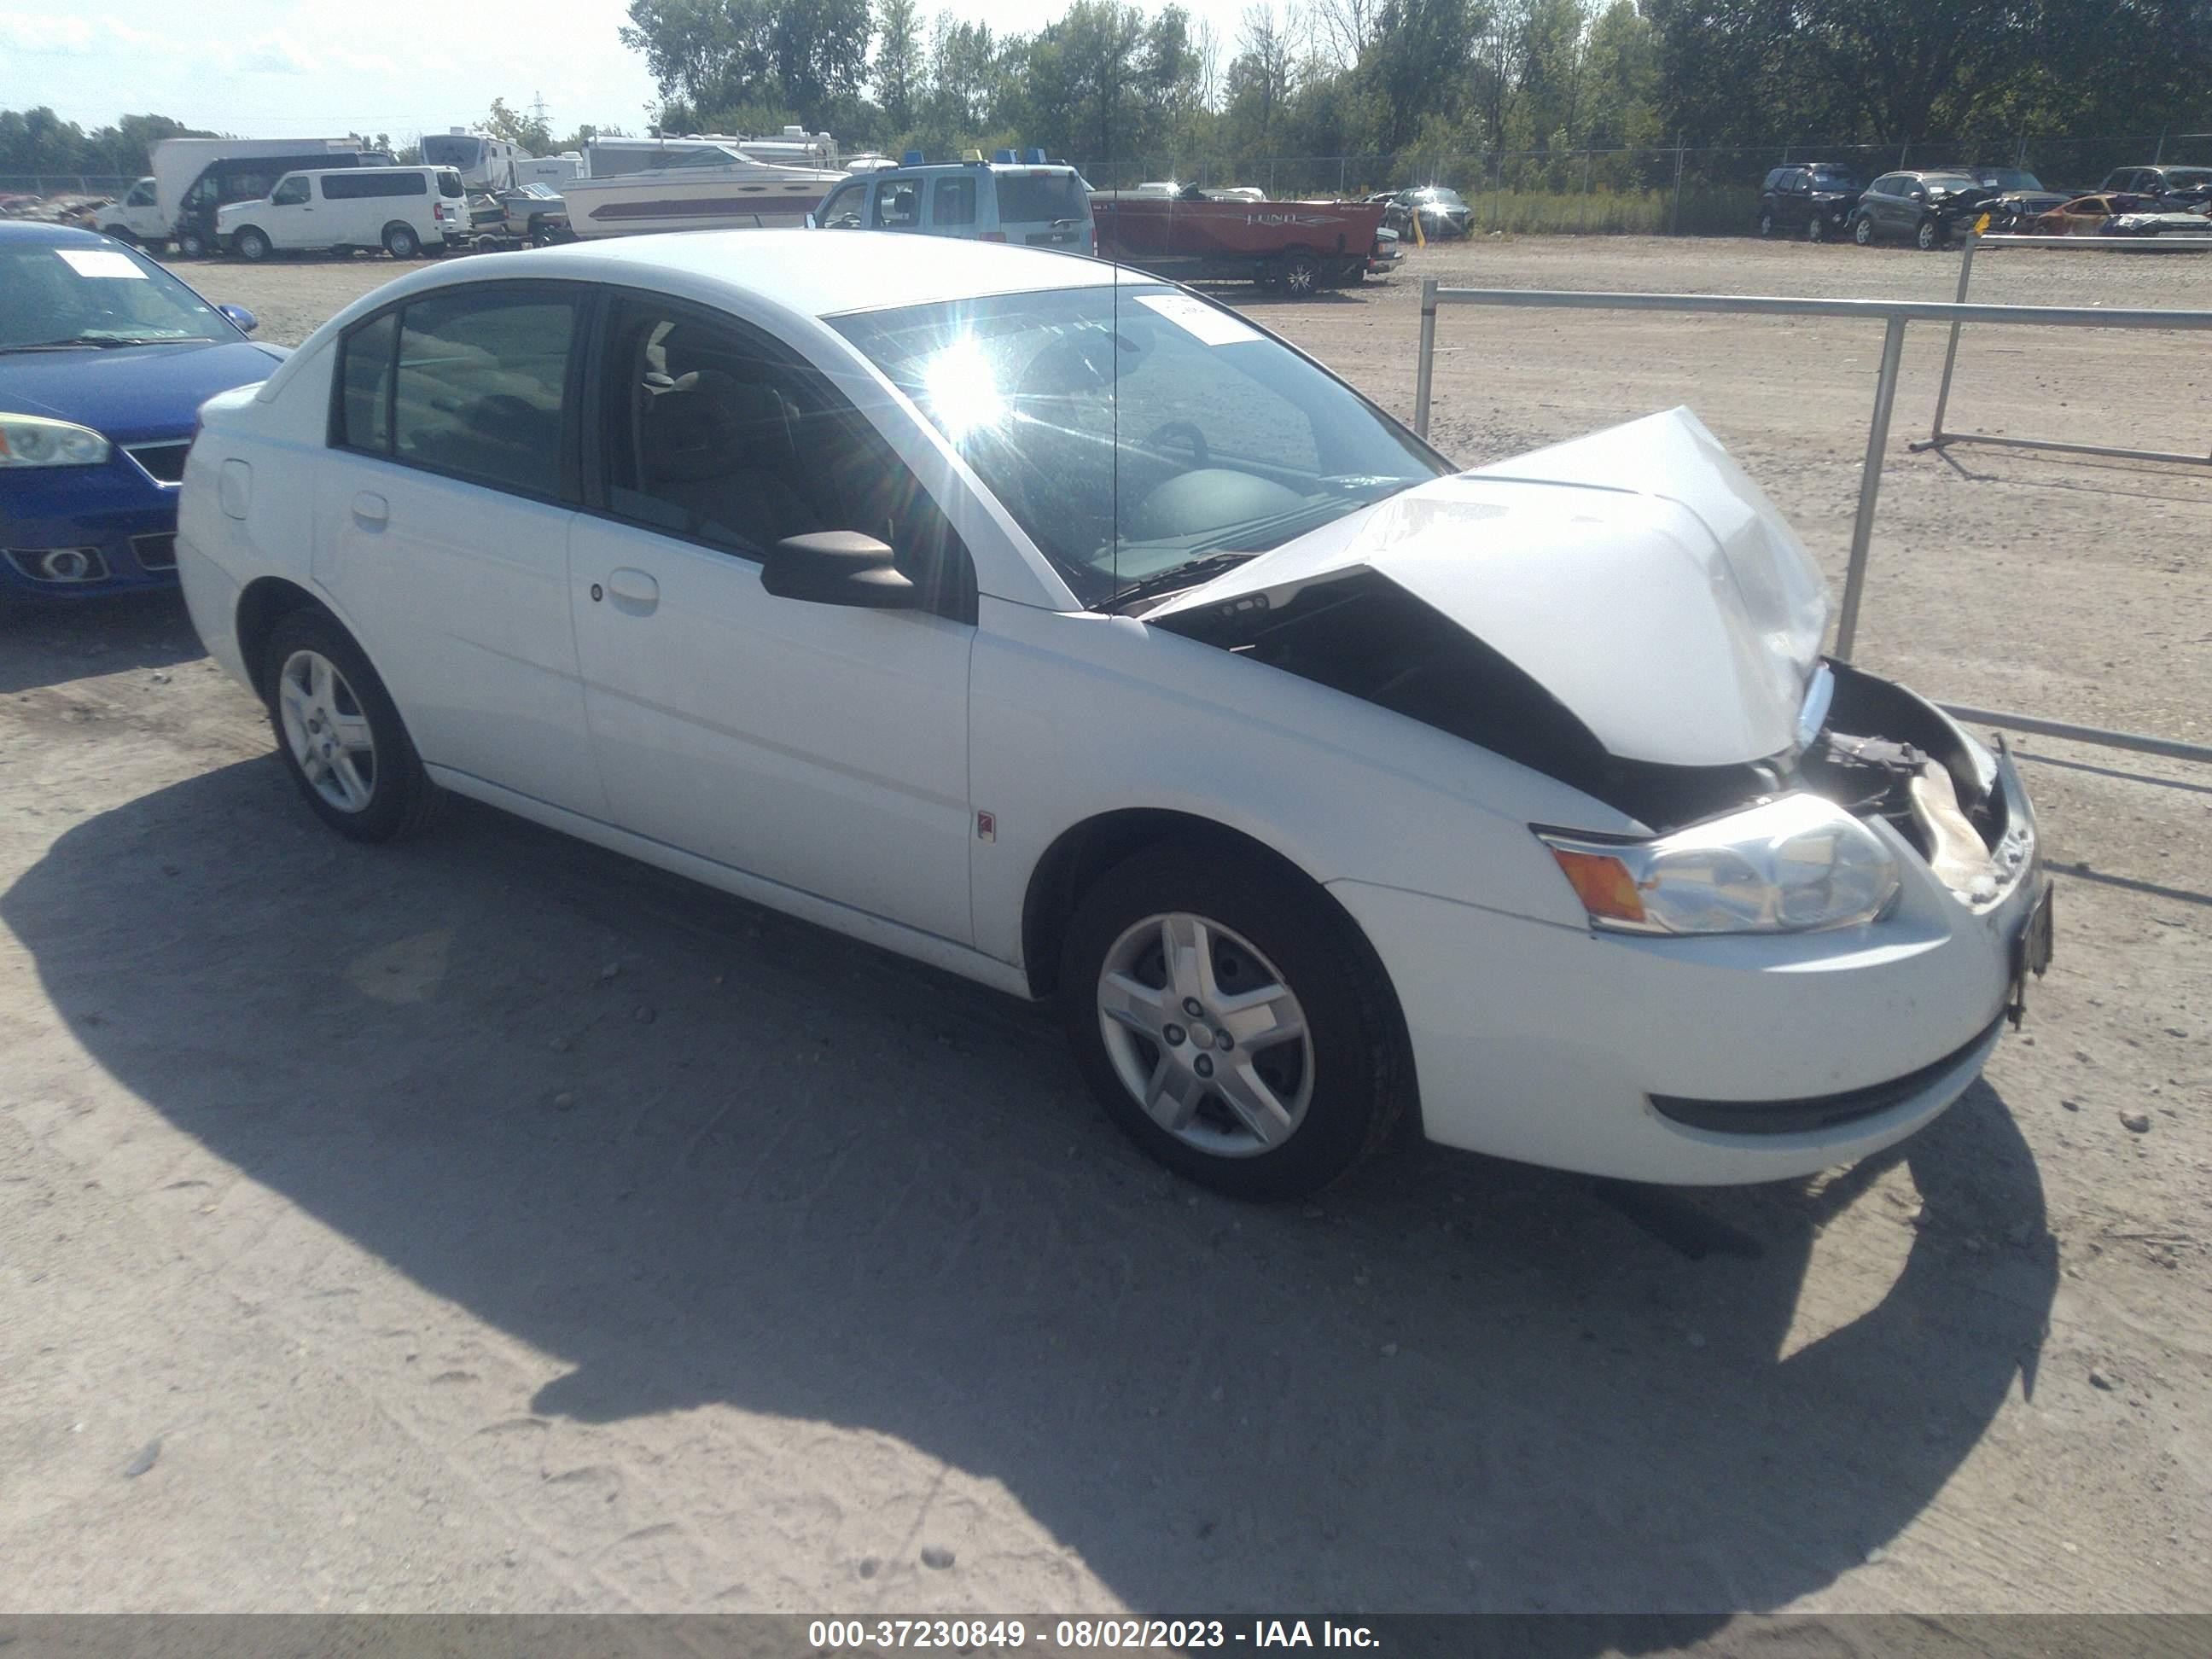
column 1201, row 452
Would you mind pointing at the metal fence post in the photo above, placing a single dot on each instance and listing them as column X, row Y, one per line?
column 1675, row 215
column 1424, row 364
column 1951, row 351
column 1855, row 573
column 1582, row 220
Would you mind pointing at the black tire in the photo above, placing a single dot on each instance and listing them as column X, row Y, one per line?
column 401, row 242
column 1300, row 275
column 402, row 799
column 1816, row 230
column 1862, row 231
column 190, row 245
column 250, row 244
column 1929, row 237
column 1361, row 1078
column 1766, row 225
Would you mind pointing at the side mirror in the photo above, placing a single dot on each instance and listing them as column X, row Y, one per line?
column 243, row 320
column 811, row 223
column 837, row 567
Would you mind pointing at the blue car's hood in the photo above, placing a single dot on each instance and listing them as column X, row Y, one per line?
column 131, row 392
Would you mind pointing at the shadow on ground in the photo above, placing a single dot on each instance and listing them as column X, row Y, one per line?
column 52, row 643
column 827, row 1185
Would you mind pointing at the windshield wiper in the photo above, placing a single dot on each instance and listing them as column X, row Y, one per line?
column 1187, row 574
column 76, row 340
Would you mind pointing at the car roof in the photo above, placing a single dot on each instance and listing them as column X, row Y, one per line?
column 818, row 273
column 37, row 230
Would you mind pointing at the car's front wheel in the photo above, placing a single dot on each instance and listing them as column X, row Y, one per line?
column 1232, row 1022
column 341, row 738
column 250, row 246
column 1929, row 236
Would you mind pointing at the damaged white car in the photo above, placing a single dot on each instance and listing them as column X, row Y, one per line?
column 1060, row 628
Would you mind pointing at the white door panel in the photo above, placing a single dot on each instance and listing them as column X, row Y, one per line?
column 821, row 746
column 461, row 595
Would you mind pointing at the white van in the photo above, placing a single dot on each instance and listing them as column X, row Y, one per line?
column 403, row 211
column 1026, row 203
column 136, row 216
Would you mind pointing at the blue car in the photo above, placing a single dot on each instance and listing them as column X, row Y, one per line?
column 105, row 360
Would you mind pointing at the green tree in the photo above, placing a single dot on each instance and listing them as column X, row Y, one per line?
column 900, row 65
column 808, row 56
column 530, row 130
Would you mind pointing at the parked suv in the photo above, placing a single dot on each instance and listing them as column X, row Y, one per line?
column 1926, row 208
column 402, row 210
column 1812, row 199
column 1027, row 204
column 2192, row 186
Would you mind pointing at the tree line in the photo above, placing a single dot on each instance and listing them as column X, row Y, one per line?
column 1108, row 80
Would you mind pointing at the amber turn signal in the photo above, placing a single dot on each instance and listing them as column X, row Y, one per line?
column 1604, row 885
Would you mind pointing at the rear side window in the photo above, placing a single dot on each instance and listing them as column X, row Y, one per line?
column 352, row 186
column 898, row 204
column 952, row 203
column 449, row 186
column 364, row 414
column 480, row 383
column 1033, row 198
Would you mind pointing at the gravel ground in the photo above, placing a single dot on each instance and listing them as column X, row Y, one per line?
column 489, row 1223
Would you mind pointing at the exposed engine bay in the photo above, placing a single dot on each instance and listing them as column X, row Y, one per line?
column 1880, row 751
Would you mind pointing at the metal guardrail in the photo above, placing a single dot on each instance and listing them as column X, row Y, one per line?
column 1938, row 437
column 1893, row 315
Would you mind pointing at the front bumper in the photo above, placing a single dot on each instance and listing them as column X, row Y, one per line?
column 1701, row 1060
column 117, row 512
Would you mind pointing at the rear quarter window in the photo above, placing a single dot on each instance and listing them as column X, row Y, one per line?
column 1037, row 199
column 353, row 187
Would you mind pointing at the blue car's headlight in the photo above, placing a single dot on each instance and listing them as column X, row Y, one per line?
column 35, row 441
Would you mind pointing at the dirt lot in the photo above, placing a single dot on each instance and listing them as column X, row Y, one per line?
column 491, row 1224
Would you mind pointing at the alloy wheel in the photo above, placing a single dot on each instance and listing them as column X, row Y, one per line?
column 327, row 730
column 1206, row 1035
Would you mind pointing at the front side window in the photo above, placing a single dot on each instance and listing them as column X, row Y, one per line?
column 477, row 388
column 1132, row 431
column 844, row 208
column 709, row 432
column 291, row 193
column 142, row 194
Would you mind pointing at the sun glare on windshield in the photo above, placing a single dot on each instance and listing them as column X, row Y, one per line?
column 963, row 391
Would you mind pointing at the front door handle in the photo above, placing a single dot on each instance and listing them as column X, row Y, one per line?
column 371, row 508
column 633, row 591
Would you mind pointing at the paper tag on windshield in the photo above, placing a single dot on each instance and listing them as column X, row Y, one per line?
column 1195, row 317
column 100, row 262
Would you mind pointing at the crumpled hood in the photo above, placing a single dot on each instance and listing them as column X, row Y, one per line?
column 1637, row 574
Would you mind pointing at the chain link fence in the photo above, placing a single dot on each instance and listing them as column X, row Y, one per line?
column 1689, row 191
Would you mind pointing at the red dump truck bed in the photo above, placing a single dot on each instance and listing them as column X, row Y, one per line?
column 1297, row 245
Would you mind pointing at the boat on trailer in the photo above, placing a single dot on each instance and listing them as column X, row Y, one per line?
column 633, row 186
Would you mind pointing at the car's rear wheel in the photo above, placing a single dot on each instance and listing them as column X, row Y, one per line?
column 190, row 245
column 1230, row 1022
column 1862, row 231
column 1816, row 230
column 341, row 738
column 401, row 242
column 1766, row 224
column 250, row 246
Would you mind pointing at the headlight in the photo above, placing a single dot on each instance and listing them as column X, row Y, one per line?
column 1795, row 864
column 35, row 441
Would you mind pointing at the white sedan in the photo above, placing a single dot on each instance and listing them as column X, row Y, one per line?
column 1052, row 624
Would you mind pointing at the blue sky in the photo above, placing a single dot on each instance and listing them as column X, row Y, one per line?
column 323, row 68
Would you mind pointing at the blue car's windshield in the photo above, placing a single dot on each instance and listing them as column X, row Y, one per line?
column 96, row 294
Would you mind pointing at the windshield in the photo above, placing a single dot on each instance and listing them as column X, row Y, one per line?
column 452, row 149
column 1441, row 198
column 2009, row 178
column 1132, row 438
column 1833, row 179
column 2188, row 178
column 1946, row 183
column 49, row 294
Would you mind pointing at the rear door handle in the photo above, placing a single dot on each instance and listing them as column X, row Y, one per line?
column 633, row 591
column 371, row 508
